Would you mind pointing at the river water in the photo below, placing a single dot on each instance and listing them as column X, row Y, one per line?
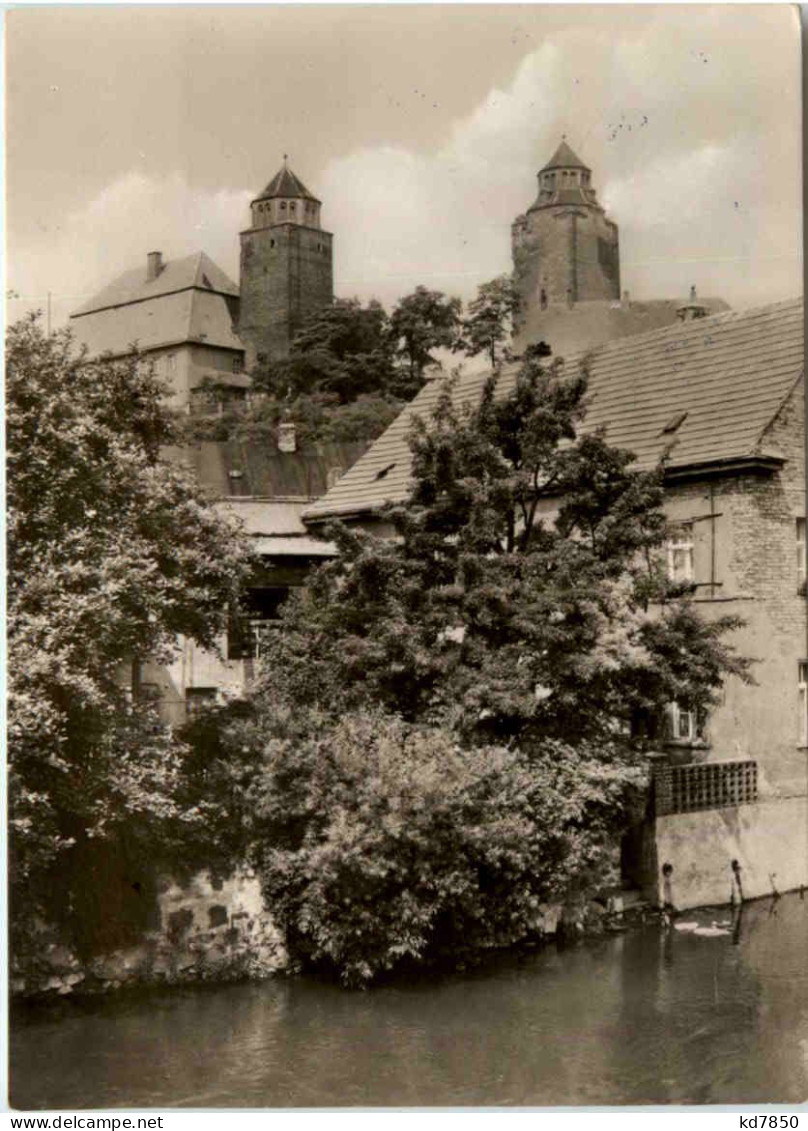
column 651, row 1016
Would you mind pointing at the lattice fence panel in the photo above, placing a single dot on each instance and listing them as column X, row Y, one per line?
column 706, row 785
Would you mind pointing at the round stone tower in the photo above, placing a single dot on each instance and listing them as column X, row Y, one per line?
column 286, row 267
column 565, row 250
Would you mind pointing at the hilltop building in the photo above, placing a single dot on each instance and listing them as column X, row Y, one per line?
column 566, row 266
column 721, row 399
column 195, row 324
column 182, row 314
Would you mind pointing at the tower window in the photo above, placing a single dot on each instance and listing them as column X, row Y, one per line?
column 543, row 299
column 271, row 243
column 292, row 207
column 283, row 206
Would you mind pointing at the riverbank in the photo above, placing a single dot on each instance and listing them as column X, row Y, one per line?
column 650, row 1015
column 214, row 931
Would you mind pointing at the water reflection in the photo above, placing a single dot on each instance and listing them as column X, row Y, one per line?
column 650, row 1016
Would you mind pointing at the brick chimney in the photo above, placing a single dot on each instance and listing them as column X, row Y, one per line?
column 154, row 265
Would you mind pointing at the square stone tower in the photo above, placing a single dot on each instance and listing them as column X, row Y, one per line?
column 287, row 267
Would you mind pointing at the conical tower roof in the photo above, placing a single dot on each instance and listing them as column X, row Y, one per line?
column 286, row 184
column 565, row 158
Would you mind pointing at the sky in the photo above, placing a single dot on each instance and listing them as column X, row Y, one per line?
column 420, row 127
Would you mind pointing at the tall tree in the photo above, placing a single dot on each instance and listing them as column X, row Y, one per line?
column 451, row 730
column 489, row 319
column 343, row 350
column 113, row 554
column 525, row 596
column 421, row 322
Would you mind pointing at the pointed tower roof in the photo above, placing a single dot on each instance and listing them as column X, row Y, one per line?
column 564, row 158
column 286, row 184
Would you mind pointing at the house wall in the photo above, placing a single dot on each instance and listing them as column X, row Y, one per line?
column 746, row 566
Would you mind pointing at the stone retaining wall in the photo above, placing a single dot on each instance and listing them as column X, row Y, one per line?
column 210, row 930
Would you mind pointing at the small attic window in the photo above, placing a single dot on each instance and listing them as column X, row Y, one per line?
column 674, row 423
column 207, row 283
column 384, row 471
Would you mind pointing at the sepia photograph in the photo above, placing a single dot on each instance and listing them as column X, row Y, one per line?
column 407, row 625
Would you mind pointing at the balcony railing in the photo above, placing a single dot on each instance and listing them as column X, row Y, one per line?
column 705, row 785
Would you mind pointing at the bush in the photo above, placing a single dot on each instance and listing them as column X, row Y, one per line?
column 381, row 844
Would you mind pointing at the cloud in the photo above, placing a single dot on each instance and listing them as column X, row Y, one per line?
column 693, row 138
column 113, row 232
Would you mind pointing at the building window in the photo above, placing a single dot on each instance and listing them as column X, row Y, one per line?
column 292, row 207
column 801, row 553
column 171, row 365
column 238, row 364
column 680, row 554
column 199, row 699
column 684, row 724
column 283, row 206
column 802, row 687
column 251, row 630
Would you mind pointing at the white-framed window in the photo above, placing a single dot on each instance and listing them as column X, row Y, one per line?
column 684, row 726
column 681, row 563
column 238, row 364
column 801, row 552
column 802, row 690
column 171, row 364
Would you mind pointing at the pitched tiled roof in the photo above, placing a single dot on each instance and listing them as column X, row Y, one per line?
column 285, row 183
column 196, row 270
column 262, row 470
column 564, row 158
column 730, row 373
column 191, row 300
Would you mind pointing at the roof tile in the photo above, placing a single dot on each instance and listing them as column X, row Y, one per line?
column 730, row 373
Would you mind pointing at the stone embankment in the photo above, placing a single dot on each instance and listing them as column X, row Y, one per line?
column 219, row 931
column 210, row 931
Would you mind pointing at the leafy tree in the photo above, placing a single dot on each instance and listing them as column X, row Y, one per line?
column 113, row 554
column 421, row 322
column 343, row 350
column 383, row 845
column 489, row 321
column 452, row 726
column 318, row 417
column 524, row 597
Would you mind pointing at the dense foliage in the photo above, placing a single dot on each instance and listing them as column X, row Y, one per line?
column 525, row 596
column 112, row 554
column 344, row 350
column 488, row 323
column 452, row 723
column 420, row 323
column 383, row 844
